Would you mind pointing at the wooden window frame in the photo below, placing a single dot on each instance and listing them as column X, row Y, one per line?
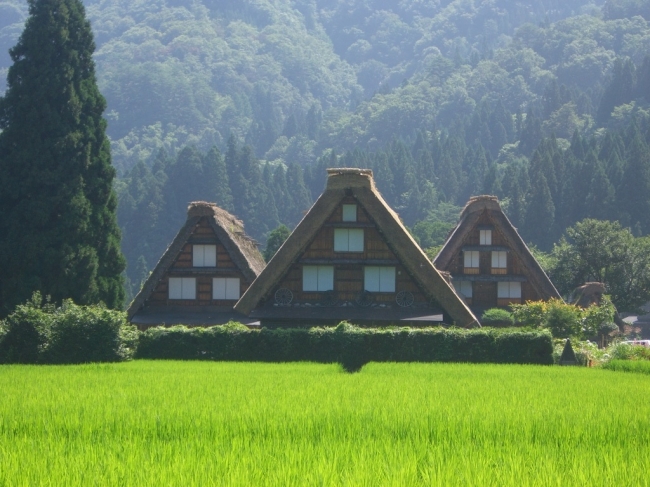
column 199, row 255
column 342, row 239
column 513, row 293
column 230, row 285
column 471, row 269
column 187, row 288
column 349, row 213
column 318, row 269
column 386, row 279
column 501, row 267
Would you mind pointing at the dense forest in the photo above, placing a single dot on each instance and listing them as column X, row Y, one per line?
column 544, row 104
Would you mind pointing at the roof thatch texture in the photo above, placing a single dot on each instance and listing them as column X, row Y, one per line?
column 359, row 183
column 469, row 217
column 230, row 232
column 587, row 294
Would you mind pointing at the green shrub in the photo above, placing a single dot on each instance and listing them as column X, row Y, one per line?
column 347, row 344
column 27, row 332
column 530, row 314
column 81, row 334
column 42, row 333
column 626, row 351
column 566, row 320
column 497, row 316
column 563, row 320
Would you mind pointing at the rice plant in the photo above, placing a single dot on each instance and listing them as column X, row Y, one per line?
column 639, row 366
column 189, row 423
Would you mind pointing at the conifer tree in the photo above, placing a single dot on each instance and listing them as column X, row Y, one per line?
column 58, row 231
column 217, row 178
column 300, row 197
column 634, row 190
column 540, row 215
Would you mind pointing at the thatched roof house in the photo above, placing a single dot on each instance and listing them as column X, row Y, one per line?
column 202, row 274
column 351, row 258
column 490, row 264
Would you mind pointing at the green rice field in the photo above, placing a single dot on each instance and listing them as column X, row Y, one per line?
column 197, row 423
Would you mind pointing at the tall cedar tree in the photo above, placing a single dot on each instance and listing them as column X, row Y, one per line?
column 58, row 229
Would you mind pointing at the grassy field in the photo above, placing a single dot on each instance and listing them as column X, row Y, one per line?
column 638, row 366
column 188, row 423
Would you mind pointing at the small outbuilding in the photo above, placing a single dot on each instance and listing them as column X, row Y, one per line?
column 351, row 258
column 489, row 262
column 202, row 274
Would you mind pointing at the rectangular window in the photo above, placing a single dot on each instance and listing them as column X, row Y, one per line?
column 464, row 288
column 204, row 255
column 499, row 260
column 471, row 259
column 379, row 279
column 349, row 213
column 182, row 288
column 511, row 290
column 486, row 237
column 318, row 278
column 348, row 240
column 225, row 288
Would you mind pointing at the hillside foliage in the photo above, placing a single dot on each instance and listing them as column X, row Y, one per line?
column 245, row 103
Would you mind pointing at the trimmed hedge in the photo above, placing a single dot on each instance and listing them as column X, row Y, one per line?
column 350, row 345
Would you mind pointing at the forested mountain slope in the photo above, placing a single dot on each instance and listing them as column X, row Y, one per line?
column 292, row 78
column 245, row 102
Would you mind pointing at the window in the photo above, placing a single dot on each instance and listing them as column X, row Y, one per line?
column 204, row 255
column 499, row 262
column 486, row 237
column 379, row 279
column 225, row 288
column 510, row 290
column 464, row 288
column 348, row 240
column 349, row 213
column 471, row 261
column 318, row 278
column 182, row 288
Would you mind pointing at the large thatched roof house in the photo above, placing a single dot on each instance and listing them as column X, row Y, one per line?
column 350, row 258
column 202, row 274
column 490, row 264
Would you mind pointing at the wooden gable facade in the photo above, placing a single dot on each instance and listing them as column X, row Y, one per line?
column 350, row 258
column 203, row 273
column 490, row 264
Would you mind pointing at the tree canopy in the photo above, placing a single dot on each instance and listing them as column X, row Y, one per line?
column 58, row 229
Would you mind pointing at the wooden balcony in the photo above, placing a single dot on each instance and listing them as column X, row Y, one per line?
column 499, row 271
column 471, row 270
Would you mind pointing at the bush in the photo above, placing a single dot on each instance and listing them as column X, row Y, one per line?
column 566, row 320
column 27, row 332
column 530, row 314
column 42, row 333
column 563, row 320
column 347, row 344
column 497, row 316
column 626, row 351
column 81, row 334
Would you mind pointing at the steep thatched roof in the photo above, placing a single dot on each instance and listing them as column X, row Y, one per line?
column 230, row 232
column 358, row 183
column 587, row 294
column 469, row 217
